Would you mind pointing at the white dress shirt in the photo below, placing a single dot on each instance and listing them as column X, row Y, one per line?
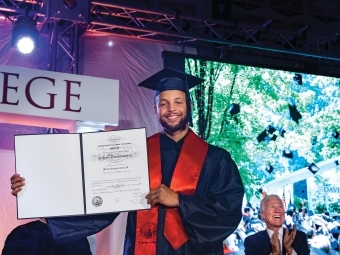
column 270, row 233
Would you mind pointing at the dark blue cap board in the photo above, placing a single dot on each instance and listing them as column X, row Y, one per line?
column 170, row 79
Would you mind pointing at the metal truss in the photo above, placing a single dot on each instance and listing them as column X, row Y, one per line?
column 257, row 38
column 63, row 39
column 11, row 9
column 174, row 28
column 64, row 47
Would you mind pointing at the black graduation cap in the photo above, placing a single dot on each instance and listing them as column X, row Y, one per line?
column 270, row 129
column 171, row 79
column 294, row 113
column 287, row 153
column 234, row 109
column 273, row 138
column 269, row 168
column 282, row 132
column 313, row 168
column 298, row 78
column 262, row 136
column 153, row 81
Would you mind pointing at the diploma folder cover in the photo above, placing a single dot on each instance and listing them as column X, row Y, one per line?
column 81, row 174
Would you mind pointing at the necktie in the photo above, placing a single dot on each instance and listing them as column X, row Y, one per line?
column 280, row 253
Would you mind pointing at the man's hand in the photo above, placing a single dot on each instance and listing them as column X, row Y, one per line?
column 275, row 243
column 163, row 195
column 288, row 240
column 17, row 183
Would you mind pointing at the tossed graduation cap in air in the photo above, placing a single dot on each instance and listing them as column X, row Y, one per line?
column 282, row 132
column 269, row 168
column 262, row 136
column 294, row 113
column 234, row 109
column 270, row 129
column 170, row 79
column 313, row 168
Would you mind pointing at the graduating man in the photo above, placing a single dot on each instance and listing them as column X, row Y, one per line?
column 275, row 240
column 196, row 190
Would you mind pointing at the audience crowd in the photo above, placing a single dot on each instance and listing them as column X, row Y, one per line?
column 322, row 230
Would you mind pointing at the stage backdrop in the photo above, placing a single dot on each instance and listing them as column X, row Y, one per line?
column 127, row 60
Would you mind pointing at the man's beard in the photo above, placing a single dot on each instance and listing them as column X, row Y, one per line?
column 180, row 126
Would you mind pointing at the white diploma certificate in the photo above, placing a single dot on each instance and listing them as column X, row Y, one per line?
column 79, row 174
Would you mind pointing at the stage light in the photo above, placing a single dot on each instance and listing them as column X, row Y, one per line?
column 313, row 168
column 25, row 35
column 234, row 109
column 269, row 168
column 298, row 78
column 287, row 153
column 176, row 11
column 185, row 25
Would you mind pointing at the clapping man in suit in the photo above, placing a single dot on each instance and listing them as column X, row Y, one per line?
column 275, row 240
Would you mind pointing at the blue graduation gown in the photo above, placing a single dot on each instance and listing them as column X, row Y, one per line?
column 208, row 216
column 33, row 238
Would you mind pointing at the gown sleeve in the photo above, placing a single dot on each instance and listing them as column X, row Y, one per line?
column 23, row 241
column 69, row 229
column 215, row 210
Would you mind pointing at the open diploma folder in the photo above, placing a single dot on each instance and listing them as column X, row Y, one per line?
column 78, row 174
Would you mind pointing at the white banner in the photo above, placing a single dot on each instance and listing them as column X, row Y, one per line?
column 58, row 95
column 329, row 189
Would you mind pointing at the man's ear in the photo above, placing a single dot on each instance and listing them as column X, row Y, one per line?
column 262, row 215
column 155, row 109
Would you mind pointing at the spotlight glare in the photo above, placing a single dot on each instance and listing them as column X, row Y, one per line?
column 25, row 45
column 25, row 35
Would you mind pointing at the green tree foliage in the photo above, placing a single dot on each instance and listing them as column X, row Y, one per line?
column 320, row 208
column 334, row 207
column 264, row 95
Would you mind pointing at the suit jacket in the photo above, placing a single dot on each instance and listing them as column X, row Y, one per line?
column 259, row 244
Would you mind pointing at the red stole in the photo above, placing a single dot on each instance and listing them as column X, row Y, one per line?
column 184, row 181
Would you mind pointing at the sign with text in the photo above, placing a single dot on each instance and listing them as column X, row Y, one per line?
column 58, row 95
column 329, row 189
